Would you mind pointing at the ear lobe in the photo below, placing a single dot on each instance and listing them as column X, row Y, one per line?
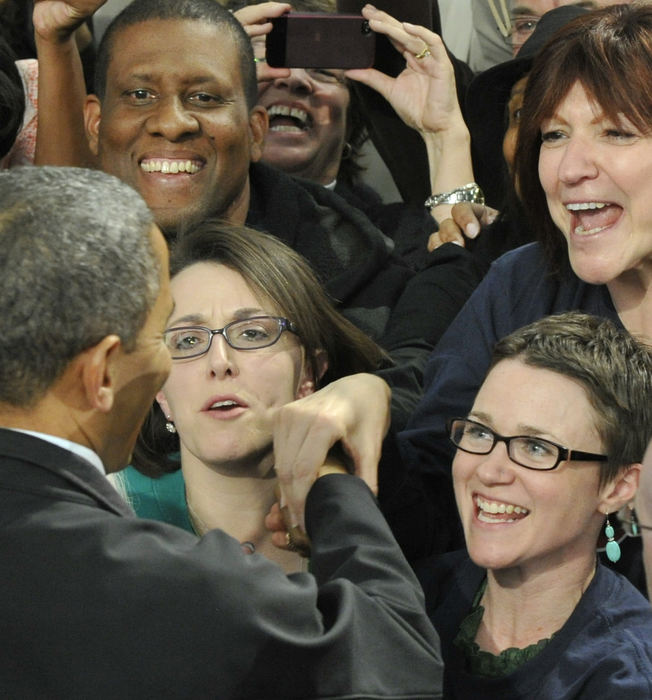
column 163, row 403
column 258, row 126
column 621, row 490
column 92, row 118
column 307, row 385
column 98, row 373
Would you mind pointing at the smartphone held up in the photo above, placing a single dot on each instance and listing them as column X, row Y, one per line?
column 318, row 40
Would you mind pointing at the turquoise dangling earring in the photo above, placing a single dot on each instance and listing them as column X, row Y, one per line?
column 633, row 521
column 612, row 548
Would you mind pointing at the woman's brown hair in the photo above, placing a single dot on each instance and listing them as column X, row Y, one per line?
column 609, row 52
column 277, row 273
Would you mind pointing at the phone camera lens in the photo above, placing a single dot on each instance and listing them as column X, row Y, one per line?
column 366, row 29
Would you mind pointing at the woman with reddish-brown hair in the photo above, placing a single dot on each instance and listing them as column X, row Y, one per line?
column 584, row 166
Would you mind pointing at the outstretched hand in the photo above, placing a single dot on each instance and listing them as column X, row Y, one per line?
column 424, row 93
column 353, row 411
column 56, row 20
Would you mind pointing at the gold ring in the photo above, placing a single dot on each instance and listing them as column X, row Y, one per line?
column 425, row 51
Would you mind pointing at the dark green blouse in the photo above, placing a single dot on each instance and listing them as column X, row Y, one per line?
column 484, row 663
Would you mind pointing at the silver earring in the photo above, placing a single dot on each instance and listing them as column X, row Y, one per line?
column 170, row 427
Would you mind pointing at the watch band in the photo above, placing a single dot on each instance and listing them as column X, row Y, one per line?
column 468, row 193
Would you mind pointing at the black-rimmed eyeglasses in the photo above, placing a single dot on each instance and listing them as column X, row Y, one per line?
column 526, row 450
column 253, row 333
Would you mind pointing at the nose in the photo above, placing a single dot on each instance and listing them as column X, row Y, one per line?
column 221, row 358
column 172, row 120
column 496, row 467
column 577, row 162
column 298, row 81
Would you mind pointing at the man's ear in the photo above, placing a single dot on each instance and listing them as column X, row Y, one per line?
column 92, row 118
column 99, row 373
column 308, row 383
column 620, row 490
column 258, row 125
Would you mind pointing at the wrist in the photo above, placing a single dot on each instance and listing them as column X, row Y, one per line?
column 470, row 192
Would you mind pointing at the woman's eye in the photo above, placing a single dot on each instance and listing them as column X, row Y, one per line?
column 477, row 432
column 537, row 448
column 551, row 137
column 186, row 341
column 253, row 333
column 619, row 134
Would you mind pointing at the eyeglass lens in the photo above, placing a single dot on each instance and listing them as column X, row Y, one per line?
column 532, row 452
column 249, row 334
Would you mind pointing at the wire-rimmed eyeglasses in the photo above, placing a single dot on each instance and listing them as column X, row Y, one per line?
column 253, row 333
column 526, row 450
column 522, row 28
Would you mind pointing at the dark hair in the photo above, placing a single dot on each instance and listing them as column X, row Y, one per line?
column 208, row 11
column 278, row 273
column 609, row 52
column 12, row 98
column 613, row 367
column 76, row 265
column 17, row 27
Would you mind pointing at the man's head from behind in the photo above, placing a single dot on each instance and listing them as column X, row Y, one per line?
column 175, row 115
column 81, row 267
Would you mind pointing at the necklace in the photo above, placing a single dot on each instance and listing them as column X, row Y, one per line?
column 199, row 527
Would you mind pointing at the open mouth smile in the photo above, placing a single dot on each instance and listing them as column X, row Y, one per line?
column 498, row 511
column 288, row 119
column 588, row 218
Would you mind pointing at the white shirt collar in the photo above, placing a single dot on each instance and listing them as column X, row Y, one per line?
column 80, row 450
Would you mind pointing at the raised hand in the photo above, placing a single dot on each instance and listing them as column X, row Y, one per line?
column 56, row 20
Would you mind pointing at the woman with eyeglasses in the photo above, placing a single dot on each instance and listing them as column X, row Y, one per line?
column 251, row 330
column 549, row 451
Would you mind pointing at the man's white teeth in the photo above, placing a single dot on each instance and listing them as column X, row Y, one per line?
column 170, row 166
column 224, row 404
column 284, row 111
column 581, row 206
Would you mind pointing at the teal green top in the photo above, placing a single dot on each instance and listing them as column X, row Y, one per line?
column 484, row 663
column 158, row 499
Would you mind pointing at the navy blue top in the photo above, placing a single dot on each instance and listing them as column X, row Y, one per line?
column 602, row 652
column 517, row 290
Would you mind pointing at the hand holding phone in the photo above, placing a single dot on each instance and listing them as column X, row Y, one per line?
column 318, row 40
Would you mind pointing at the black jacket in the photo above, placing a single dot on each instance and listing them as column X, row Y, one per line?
column 97, row 603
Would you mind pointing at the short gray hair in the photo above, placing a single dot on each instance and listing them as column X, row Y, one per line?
column 76, row 265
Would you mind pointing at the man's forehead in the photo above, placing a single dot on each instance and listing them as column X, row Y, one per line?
column 190, row 51
column 200, row 37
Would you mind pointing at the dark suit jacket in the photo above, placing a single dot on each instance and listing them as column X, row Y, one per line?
column 97, row 603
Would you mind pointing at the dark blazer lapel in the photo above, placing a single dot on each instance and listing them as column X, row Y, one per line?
column 79, row 473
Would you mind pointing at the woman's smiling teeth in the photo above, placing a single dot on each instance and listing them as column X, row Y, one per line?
column 487, row 509
column 592, row 217
column 284, row 118
column 156, row 165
